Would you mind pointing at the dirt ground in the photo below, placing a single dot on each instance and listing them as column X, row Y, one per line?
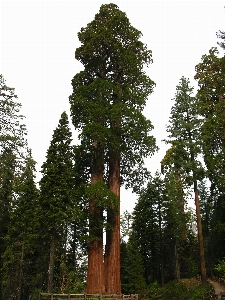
column 219, row 288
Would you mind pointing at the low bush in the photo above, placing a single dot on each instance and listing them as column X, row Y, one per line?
column 189, row 289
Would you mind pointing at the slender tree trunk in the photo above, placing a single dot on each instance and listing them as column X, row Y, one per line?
column 161, row 244
column 180, row 199
column 200, row 236
column 63, row 259
column 177, row 265
column 51, row 264
column 112, row 251
column 95, row 282
column 21, row 273
column 183, row 262
column 198, row 215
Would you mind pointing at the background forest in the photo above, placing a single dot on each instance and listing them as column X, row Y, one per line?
column 44, row 227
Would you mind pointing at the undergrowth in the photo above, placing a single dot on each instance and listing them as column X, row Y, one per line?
column 190, row 289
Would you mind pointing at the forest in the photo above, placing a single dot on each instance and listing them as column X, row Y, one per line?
column 65, row 233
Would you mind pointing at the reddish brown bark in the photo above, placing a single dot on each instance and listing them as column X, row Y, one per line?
column 180, row 199
column 200, row 236
column 95, row 282
column 112, row 251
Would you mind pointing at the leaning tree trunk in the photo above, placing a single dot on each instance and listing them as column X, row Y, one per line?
column 112, row 251
column 95, row 282
column 200, row 236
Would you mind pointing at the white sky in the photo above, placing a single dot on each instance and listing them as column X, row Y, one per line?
column 39, row 38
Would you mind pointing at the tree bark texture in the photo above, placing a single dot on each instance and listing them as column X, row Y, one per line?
column 112, row 250
column 95, row 282
column 200, row 236
column 180, row 200
column 51, row 264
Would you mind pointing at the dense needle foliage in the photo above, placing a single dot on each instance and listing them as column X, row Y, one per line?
column 50, row 232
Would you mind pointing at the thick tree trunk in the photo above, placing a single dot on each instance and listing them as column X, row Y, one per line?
column 51, row 264
column 200, row 236
column 95, row 282
column 112, row 251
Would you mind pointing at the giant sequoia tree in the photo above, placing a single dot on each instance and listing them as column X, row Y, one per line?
column 106, row 106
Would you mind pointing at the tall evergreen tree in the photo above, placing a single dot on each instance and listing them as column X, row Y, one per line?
column 184, row 128
column 210, row 74
column 12, row 147
column 56, row 191
column 19, row 258
column 147, row 228
column 106, row 106
column 12, row 128
column 132, row 269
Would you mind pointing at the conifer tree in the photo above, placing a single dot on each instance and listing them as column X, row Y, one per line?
column 184, row 133
column 56, row 191
column 12, row 146
column 132, row 269
column 147, row 228
column 210, row 74
column 20, row 255
column 106, row 106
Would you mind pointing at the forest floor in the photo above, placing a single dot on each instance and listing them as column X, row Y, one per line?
column 218, row 287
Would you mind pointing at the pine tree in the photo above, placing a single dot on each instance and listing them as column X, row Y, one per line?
column 106, row 105
column 184, row 133
column 56, row 191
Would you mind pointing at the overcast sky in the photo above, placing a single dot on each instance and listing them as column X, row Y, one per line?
column 39, row 38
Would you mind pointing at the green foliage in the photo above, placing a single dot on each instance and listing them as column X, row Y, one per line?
column 132, row 269
column 183, row 290
column 220, row 268
column 13, row 149
column 147, row 227
column 125, row 224
column 20, row 255
column 210, row 74
column 184, row 133
column 221, row 35
column 12, row 129
column 110, row 93
column 61, row 203
column 163, row 231
column 104, row 198
column 56, row 185
column 107, row 102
